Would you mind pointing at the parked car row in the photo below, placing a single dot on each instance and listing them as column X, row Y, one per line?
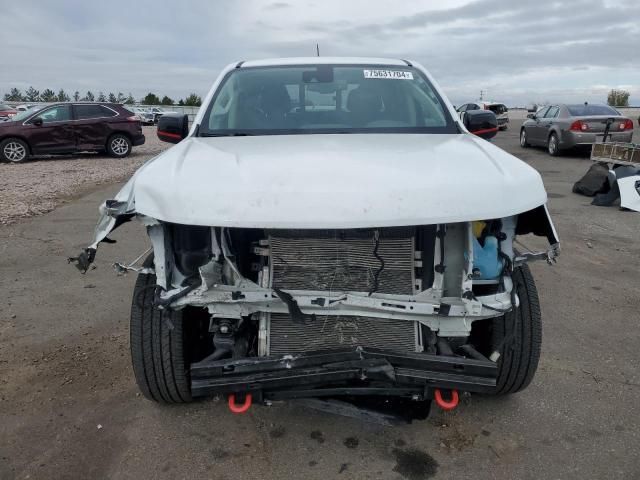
column 25, row 107
column 499, row 109
column 560, row 127
column 6, row 112
column 69, row 128
column 146, row 117
column 149, row 115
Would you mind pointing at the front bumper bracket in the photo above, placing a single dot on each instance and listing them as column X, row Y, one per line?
column 355, row 371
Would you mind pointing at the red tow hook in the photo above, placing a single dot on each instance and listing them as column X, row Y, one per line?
column 239, row 408
column 446, row 404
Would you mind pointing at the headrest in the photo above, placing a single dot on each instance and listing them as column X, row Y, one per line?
column 364, row 101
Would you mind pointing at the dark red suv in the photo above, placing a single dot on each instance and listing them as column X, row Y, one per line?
column 68, row 128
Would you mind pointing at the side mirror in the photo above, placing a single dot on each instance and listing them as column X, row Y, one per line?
column 532, row 116
column 173, row 127
column 38, row 121
column 482, row 123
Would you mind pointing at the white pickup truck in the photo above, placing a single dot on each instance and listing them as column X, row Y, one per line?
column 326, row 227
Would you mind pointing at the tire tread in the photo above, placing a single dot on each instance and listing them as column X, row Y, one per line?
column 519, row 358
column 157, row 350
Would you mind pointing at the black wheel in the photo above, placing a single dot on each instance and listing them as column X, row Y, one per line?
column 517, row 335
column 524, row 142
column 118, row 145
column 13, row 150
column 158, row 345
column 552, row 145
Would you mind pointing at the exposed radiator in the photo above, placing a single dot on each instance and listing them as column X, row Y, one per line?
column 336, row 331
column 338, row 260
column 342, row 260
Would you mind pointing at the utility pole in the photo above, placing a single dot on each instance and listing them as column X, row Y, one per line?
column 482, row 92
column 317, row 50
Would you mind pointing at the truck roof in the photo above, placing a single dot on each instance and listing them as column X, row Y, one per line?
column 325, row 60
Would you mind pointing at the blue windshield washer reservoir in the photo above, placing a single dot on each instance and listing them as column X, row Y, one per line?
column 486, row 259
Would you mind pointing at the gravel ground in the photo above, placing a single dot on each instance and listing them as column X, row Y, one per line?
column 40, row 185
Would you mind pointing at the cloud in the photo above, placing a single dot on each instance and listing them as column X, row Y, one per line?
column 277, row 5
column 517, row 51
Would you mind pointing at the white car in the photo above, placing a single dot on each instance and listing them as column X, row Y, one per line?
column 500, row 109
column 24, row 108
column 157, row 112
column 146, row 117
column 326, row 227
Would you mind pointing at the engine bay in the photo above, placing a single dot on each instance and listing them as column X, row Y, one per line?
column 290, row 291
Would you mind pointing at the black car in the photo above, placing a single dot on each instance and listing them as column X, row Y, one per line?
column 69, row 128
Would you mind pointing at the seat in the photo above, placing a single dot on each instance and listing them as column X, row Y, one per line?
column 275, row 103
column 365, row 106
column 263, row 107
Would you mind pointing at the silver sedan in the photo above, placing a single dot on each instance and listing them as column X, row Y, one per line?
column 560, row 127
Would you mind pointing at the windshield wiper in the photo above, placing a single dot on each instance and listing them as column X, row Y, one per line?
column 229, row 134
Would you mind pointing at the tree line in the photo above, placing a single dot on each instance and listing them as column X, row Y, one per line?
column 48, row 95
column 618, row 98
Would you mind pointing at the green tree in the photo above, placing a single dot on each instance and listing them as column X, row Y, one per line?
column 62, row 96
column 166, row 101
column 121, row 98
column 76, row 96
column 48, row 95
column 101, row 97
column 130, row 100
column 618, row 98
column 89, row 97
column 150, row 99
column 193, row 100
column 32, row 95
column 15, row 95
column 181, row 102
column 112, row 98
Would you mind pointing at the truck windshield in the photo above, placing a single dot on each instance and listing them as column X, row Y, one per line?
column 325, row 99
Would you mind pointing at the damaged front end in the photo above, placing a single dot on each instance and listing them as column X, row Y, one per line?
column 290, row 313
column 113, row 213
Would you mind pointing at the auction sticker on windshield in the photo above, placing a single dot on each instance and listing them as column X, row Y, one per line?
column 391, row 74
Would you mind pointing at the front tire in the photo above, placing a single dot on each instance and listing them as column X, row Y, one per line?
column 524, row 143
column 13, row 150
column 517, row 336
column 119, row 145
column 158, row 345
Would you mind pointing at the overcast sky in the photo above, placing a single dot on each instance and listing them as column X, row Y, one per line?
column 517, row 51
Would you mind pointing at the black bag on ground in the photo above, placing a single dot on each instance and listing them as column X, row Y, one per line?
column 594, row 181
column 608, row 198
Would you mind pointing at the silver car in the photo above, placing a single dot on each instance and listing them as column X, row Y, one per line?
column 561, row 127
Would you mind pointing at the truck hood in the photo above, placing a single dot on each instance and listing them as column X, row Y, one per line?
column 333, row 181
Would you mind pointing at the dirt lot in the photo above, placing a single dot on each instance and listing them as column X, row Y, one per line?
column 42, row 183
column 69, row 407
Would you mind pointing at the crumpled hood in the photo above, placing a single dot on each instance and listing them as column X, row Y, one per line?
column 334, row 181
